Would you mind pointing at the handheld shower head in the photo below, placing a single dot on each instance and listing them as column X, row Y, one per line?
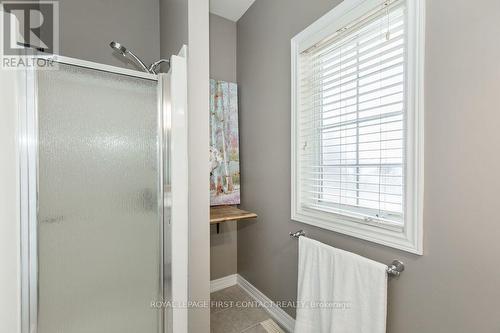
column 118, row 47
column 126, row 53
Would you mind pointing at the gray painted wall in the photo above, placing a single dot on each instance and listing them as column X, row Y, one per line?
column 173, row 26
column 223, row 67
column 87, row 27
column 455, row 286
column 222, row 49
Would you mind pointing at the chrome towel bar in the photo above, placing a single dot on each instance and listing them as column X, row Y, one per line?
column 394, row 269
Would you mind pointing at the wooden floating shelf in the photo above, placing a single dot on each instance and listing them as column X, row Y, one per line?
column 219, row 214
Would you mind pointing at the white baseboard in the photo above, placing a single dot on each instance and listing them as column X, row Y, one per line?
column 224, row 282
column 278, row 314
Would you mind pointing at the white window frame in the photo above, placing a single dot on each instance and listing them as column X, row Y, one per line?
column 410, row 237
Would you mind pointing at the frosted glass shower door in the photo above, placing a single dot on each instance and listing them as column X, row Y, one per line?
column 99, row 219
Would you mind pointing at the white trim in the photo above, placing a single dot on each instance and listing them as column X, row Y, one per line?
column 337, row 18
column 180, row 211
column 223, row 282
column 98, row 66
column 411, row 238
column 104, row 68
column 278, row 314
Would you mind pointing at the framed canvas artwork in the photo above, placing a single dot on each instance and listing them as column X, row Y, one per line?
column 224, row 144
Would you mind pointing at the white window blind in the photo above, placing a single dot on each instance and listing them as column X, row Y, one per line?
column 351, row 124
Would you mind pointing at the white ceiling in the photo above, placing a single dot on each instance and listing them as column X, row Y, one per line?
column 230, row 9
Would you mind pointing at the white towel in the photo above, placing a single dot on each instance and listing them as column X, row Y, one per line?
column 339, row 291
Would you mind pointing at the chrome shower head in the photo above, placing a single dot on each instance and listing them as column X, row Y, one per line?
column 118, row 47
column 126, row 53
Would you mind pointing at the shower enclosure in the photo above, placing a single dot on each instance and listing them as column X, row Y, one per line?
column 103, row 185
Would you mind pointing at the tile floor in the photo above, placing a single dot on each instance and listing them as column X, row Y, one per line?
column 234, row 311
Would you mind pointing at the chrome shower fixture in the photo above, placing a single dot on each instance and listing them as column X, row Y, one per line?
column 152, row 68
column 126, row 53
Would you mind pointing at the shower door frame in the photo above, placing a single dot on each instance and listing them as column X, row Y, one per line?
column 27, row 87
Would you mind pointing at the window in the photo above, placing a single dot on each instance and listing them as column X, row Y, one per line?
column 357, row 122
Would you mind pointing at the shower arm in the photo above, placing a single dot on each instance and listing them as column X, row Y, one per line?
column 152, row 68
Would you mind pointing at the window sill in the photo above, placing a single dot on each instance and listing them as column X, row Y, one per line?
column 401, row 239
